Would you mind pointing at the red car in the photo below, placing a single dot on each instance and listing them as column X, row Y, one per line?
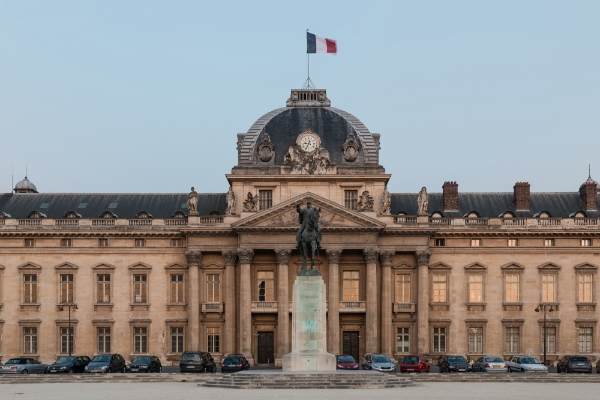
column 416, row 363
column 345, row 362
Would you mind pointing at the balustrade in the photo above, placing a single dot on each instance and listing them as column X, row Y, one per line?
column 476, row 221
column 176, row 222
column 549, row 221
column 440, row 221
column 353, row 306
column 30, row 222
column 405, row 220
column 140, row 222
column 585, row 221
column 264, row 307
column 211, row 219
column 66, row 222
column 404, row 307
column 103, row 222
column 514, row 221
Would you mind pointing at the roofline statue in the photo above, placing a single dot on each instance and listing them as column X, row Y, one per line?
column 192, row 202
column 423, row 201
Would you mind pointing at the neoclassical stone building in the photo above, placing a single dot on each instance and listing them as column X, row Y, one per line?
column 163, row 273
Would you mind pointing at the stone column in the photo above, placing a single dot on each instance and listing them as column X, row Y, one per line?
column 333, row 301
column 245, row 326
column 283, row 298
column 386, row 259
column 423, row 302
column 229, row 259
column 371, row 317
column 193, row 260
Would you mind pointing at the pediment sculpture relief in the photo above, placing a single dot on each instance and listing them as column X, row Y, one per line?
column 365, row 202
column 251, row 203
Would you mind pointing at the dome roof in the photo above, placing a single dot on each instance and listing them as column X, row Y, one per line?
column 25, row 186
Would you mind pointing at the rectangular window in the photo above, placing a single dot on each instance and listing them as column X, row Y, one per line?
column 586, row 242
column 548, row 288
column 102, row 242
column 585, row 288
column 350, row 280
column 585, row 340
column 265, row 199
column 351, row 199
column 475, row 242
column 29, row 242
column 66, row 288
column 403, row 288
column 30, row 288
column 30, row 340
column 548, row 242
column 66, row 340
column 66, row 242
column 103, row 340
column 550, row 340
column 176, row 340
column 440, row 283
column 266, row 286
column 403, row 340
column 177, row 288
column 440, row 242
column 176, row 242
column 212, row 288
column 513, row 243
column 213, row 339
column 476, row 340
column 512, row 288
column 140, row 288
column 104, row 288
column 140, row 340
column 512, row 340
column 140, row 242
column 475, row 288
column 439, row 340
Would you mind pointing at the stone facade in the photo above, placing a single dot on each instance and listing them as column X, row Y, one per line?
column 465, row 278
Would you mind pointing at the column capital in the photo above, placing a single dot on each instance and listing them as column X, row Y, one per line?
column 229, row 257
column 193, row 258
column 333, row 255
column 386, row 258
column 371, row 254
column 245, row 255
column 423, row 257
column 283, row 256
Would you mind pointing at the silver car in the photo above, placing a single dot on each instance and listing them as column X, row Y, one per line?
column 490, row 364
column 23, row 366
column 378, row 362
column 525, row 364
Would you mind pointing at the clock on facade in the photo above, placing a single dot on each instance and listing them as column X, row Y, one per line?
column 308, row 141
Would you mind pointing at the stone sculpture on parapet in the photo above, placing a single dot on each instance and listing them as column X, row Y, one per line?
column 192, row 202
column 423, row 201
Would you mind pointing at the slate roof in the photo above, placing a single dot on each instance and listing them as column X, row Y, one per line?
column 491, row 205
column 127, row 204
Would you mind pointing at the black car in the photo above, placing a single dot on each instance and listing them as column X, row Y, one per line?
column 454, row 364
column 145, row 364
column 197, row 361
column 106, row 363
column 69, row 365
column 571, row 364
column 234, row 363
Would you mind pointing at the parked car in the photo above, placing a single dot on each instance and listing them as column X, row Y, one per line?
column 144, row 364
column 414, row 363
column 106, row 363
column 490, row 364
column 378, row 362
column 345, row 362
column 454, row 364
column 234, row 363
column 23, row 365
column 69, row 365
column 571, row 364
column 526, row 364
column 197, row 361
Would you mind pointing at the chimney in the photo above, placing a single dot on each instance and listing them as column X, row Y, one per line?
column 450, row 196
column 521, row 190
column 587, row 194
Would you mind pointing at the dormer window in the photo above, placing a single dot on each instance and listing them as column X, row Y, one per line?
column 143, row 215
column 437, row 214
column 544, row 214
column 472, row 214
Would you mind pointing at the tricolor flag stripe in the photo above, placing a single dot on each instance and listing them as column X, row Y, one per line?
column 318, row 44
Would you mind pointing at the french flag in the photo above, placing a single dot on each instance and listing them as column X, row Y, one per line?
column 318, row 44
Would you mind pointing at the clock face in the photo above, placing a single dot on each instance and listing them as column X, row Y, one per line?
column 308, row 143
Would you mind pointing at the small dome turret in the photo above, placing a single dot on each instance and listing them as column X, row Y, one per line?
column 25, row 186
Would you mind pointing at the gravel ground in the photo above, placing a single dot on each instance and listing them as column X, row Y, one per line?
column 186, row 390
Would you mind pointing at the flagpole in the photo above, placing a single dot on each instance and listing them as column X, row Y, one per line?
column 308, row 60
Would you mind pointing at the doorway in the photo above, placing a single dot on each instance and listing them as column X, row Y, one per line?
column 350, row 346
column 266, row 348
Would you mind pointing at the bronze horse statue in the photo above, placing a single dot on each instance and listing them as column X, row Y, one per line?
column 309, row 234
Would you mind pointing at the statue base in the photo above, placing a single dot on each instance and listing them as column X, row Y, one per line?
column 309, row 272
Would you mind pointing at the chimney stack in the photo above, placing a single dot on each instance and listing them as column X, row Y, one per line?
column 521, row 190
column 450, row 196
column 587, row 194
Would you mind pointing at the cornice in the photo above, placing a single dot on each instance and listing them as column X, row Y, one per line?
column 94, row 234
column 517, row 234
column 277, row 178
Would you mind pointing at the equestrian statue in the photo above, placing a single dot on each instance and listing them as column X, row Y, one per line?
column 309, row 234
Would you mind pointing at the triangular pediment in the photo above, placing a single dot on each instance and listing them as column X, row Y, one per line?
column 284, row 216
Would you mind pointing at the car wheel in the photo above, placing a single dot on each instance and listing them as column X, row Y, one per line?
column 71, row 371
column 509, row 370
column 123, row 370
column 25, row 372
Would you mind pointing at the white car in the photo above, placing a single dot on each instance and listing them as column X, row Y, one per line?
column 526, row 364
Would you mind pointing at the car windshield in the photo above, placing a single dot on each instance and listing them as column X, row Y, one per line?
column 493, row 359
column 103, row 358
column 142, row 360
column 381, row 359
column 349, row 359
column 190, row 357
column 17, row 361
column 233, row 360
column 410, row 360
column 64, row 360
column 580, row 359
column 530, row 360
column 458, row 359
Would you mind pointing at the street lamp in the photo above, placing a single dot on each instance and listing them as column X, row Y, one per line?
column 70, row 339
column 544, row 306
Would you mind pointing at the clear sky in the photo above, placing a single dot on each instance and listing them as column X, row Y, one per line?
column 148, row 96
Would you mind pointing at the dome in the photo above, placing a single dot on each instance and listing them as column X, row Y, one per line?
column 25, row 186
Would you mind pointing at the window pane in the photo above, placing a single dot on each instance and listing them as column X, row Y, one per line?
column 475, row 288
column 350, row 283
column 439, row 288
column 512, row 288
column 403, row 340
column 266, row 286
column 403, row 288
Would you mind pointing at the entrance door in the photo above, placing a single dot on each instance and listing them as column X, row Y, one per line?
column 351, row 344
column 266, row 353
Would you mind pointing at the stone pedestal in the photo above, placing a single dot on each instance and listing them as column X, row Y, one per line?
column 309, row 331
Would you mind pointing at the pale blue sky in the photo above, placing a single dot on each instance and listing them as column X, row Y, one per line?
column 148, row 96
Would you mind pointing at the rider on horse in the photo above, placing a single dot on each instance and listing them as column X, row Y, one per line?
column 305, row 216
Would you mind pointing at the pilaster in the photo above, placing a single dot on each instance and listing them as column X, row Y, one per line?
column 283, row 296
column 386, row 259
column 245, row 325
column 371, row 307
column 333, row 299
column 193, row 260
column 229, row 260
column 423, row 301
